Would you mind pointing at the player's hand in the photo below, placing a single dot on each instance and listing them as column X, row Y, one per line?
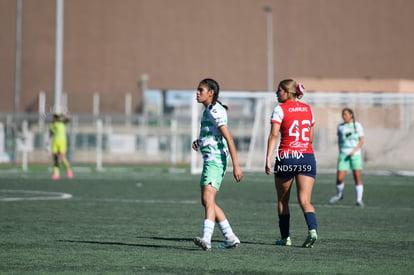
column 237, row 174
column 268, row 168
column 195, row 145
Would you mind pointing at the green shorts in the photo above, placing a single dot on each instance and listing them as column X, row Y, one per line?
column 59, row 147
column 213, row 173
column 346, row 162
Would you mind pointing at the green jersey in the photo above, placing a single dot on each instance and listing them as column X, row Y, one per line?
column 348, row 137
column 213, row 145
column 58, row 130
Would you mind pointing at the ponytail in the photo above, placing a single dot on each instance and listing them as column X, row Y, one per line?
column 300, row 89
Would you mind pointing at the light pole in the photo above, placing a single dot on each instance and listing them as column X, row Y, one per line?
column 19, row 9
column 59, row 56
column 269, row 18
column 270, row 72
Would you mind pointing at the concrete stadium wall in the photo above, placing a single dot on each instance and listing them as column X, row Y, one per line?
column 109, row 44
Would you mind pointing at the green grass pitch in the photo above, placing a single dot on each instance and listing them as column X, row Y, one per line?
column 142, row 220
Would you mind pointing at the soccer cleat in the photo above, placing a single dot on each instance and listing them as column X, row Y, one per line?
column 69, row 174
column 235, row 242
column 202, row 243
column 284, row 242
column 360, row 204
column 55, row 176
column 311, row 239
column 335, row 199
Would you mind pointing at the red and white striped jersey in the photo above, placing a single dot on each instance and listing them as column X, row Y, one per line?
column 296, row 120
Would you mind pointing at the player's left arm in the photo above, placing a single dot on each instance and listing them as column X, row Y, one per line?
column 311, row 134
column 358, row 146
column 312, row 124
column 237, row 172
column 67, row 118
column 360, row 133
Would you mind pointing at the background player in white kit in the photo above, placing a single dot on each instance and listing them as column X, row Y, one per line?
column 350, row 140
column 215, row 143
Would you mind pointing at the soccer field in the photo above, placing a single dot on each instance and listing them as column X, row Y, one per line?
column 143, row 220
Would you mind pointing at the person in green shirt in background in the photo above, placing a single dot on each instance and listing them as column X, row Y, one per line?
column 57, row 131
column 350, row 140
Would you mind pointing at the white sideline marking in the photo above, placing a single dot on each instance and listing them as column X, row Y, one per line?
column 149, row 201
column 44, row 195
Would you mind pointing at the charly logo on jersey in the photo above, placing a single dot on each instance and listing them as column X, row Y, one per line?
column 298, row 109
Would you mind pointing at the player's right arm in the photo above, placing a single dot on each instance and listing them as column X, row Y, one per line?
column 271, row 145
column 51, row 130
column 195, row 145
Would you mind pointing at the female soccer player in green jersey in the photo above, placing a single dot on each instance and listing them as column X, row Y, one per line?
column 350, row 140
column 215, row 143
column 59, row 145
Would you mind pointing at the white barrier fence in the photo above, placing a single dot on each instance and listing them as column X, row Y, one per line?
column 388, row 121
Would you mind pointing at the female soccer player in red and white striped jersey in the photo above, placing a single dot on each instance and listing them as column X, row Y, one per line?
column 295, row 159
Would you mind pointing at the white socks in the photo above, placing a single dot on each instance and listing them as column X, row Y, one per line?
column 340, row 189
column 208, row 229
column 225, row 229
column 224, row 226
column 359, row 190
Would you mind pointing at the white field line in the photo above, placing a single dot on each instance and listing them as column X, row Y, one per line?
column 147, row 201
column 44, row 195
column 39, row 195
column 295, row 204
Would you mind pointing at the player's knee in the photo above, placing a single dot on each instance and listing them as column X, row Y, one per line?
column 305, row 203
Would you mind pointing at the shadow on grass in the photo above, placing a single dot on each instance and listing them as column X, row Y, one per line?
column 128, row 244
column 157, row 246
column 191, row 240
